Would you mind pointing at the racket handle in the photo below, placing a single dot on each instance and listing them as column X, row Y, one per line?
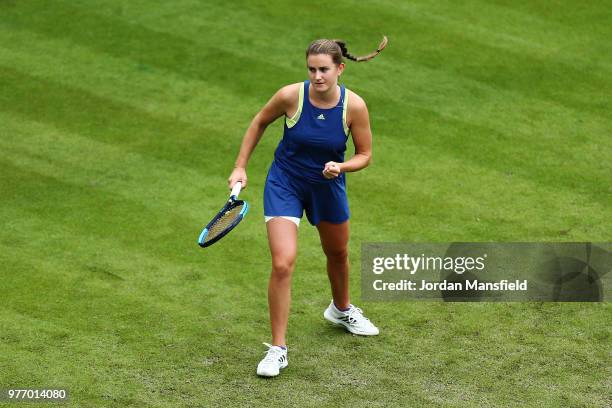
column 236, row 189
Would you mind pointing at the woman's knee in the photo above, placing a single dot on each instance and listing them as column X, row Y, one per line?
column 282, row 268
column 336, row 255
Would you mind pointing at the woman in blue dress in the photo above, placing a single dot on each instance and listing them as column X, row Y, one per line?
column 307, row 175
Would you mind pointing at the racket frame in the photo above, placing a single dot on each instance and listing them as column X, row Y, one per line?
column 231, row 203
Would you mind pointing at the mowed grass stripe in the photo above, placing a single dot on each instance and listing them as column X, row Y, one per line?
column 94, row 215
column 89, row 262
column 157, row 184
column 447, row 201
column 536, row 28
column 540, row 141
column 149, row 179
column 129, row 81
column 79, row 111
column 131, row 353
column 153, row 48
column 91, row 211
column 167, row 204
column 87, row 259
column 79, row 221
column 178, row 111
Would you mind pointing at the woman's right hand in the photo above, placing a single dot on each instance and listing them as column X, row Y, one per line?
column 239, row 174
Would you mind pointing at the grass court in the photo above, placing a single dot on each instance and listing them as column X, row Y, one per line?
column 119, row 125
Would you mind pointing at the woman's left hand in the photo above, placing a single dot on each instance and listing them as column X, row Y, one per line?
column 331, row 170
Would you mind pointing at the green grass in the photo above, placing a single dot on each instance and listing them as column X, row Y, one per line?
column 119, row 124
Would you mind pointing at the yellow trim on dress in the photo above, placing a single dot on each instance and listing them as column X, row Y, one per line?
column 344, row 109
column 291, row 122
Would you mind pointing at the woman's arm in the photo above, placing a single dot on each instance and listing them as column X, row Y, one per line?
column 362, row 139
column 277, row 106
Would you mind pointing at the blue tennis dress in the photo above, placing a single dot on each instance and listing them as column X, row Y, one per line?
column 295, row 182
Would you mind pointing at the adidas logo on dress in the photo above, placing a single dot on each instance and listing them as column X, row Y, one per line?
column 321, row 117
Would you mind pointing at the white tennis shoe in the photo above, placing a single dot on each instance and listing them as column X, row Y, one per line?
column 353, row 320
column 273, row 362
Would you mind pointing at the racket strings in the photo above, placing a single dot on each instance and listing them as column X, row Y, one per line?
column 225, row 221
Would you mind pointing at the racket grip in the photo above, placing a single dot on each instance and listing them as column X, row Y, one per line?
column 236, row 189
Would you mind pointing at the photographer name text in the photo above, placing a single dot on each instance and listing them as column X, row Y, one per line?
column 426, row 286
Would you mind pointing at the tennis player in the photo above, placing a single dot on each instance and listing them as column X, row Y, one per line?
column 308, row 175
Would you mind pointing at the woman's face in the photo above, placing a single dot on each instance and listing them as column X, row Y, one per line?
column 323, row 72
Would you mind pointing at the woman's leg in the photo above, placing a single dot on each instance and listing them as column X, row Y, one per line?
column 334, row 240
column 282, row 238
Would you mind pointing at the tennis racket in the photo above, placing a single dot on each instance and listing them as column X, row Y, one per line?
column 226, row 220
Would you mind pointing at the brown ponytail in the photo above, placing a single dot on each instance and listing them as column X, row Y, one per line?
column 337, row 49
column 346, row 54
